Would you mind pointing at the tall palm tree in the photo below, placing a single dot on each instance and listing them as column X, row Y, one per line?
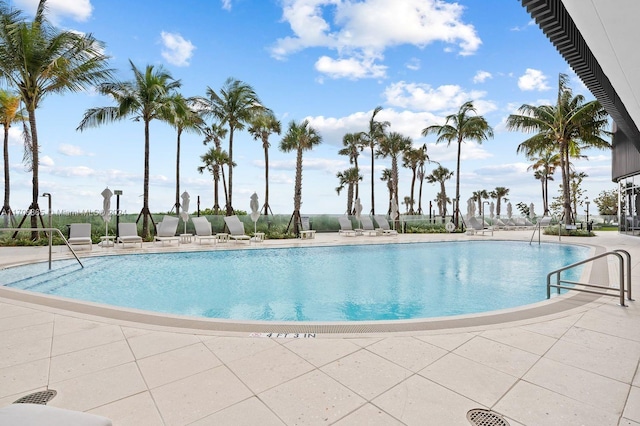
column 148, row 97
column 348, row 178
column 353, row 143
column 423, row 159
column 412, row 159
column 262, row 126
column 234, row 106
column 479, row 196
column 387, row 176
column 10, row 113
column 458, row 128
column 372, row 138
column 183, row 117
column 38, row 59
column 215, row 133
column 440, row 175
column 394, row 145
column 564, row 128
column 214, row 160
column 499, row 194
column 300, row 137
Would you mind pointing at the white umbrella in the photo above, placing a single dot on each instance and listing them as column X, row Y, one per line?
column 471, row 207
column 531, row 212
column 394, row 211
column 185, row 209
column 492, row 206
column 255, row 214
column 358, row 209
column 106, row 208
column 509, row 210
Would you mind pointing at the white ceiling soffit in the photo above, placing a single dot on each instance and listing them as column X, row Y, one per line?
column 611, row 29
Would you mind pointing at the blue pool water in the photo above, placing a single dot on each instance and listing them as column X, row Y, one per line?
column 345, row 283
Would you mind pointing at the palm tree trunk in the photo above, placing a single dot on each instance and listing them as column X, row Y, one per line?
column 544, row 203
column 457, row 206
column 266, row 178
column 145, row 197
column 297, row 197
column 373, row 200
column 546, row 195
column 394, row 177
column 420, row 196
column 443, row 193
column 230, row 195
column 216, row 182
column 413, row 184
column 177, row 204
column 355, row 164
column 6, row 209
column 350, row 208
column 224, row 186
column 566, row 190
column 35, row 161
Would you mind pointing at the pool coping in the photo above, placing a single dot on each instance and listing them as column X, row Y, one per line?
column 563, row 305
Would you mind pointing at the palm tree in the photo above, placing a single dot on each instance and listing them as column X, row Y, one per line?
column 412, row 159
column 442, row 200
column 262, row 126
column 441, row 175
column 183, row 117
column 564, row 128
column 460, row 127
column 499, row 194
column 234, row 106
column 215, row 133
column 544, row 166
column 214, row 160
column 479, row 196
column 9, row 113
column 353, row 144
column 387, row 176
column 350, row 179
column 423, row 159
column 372, row 138
column 149, row 96
column 37, row 59
column 299, row 137
column 394, row 146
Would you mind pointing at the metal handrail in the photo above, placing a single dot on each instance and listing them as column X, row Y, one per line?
column 538, row 227
column 621, row 290
column 50, row 243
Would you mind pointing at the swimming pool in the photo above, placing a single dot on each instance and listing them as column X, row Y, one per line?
column 344, row 283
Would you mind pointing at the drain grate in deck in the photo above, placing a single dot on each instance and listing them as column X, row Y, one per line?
column 480, row 417
column 37, row 397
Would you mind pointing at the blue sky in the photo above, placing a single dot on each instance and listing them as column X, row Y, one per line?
column 329, row 61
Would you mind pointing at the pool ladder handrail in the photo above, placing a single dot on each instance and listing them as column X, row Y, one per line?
column 620, row 291
column 50, row 242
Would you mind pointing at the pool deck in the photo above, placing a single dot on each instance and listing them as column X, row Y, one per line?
column 576, row 366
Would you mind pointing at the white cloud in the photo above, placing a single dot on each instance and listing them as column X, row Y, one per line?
column 226, row 4
column 78, row 10
column 78, row 171
column 46, row 161
column 350, row 68
column 533, row 80
column 365, row 29
column 177, row 51
column 423, row 97
column 413, row 64
column 481, row 76
column 531, row 23
column 72, row 150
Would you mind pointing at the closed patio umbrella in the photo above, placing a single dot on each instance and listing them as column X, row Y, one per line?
column 185, row 209
column 255, row 214
column 106, row 208
column 509, row 210
column 358, row 209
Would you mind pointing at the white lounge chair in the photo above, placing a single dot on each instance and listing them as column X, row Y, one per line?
column 384, row 225
column 236, row 228
column 346, row 228
column 478, row 227
column 128, row 233
column 166, row 230
column 80, row 234
column 367, row 226
column 203, row 229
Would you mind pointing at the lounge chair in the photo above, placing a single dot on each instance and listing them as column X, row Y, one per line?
column 80, row 234
column 478, row 227
column 38, row 414
column 166, row 230
column 346, row 228
column 306, row 232
column 203, row 229
column 236, row 228
column 128, row 233
column 367, row 226
column 384, row 225
column 523, row 223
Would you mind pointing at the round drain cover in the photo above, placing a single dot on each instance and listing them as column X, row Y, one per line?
column 37, row 397
column 480, row 417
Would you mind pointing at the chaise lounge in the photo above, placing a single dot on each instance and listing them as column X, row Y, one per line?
column 346, row 228
column 203, row 229
column 384, row 225
column 128, row 233
column 80, row 234
column 367, row 226
column 236, row 228
column 167, row 230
